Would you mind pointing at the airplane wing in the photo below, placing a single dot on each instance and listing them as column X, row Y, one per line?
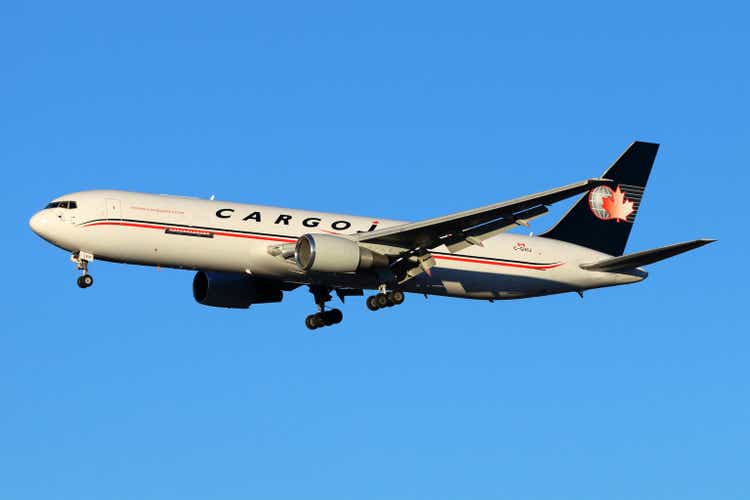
column 470, row 227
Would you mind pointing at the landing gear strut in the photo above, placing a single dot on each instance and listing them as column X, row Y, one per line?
column 81, row 260
column 322, row 317
column 385, row 299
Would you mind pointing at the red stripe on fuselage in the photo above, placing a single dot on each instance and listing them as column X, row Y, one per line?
column 216, row 233
column 538, row 267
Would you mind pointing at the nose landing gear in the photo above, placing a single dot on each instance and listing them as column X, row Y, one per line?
column 322, row 317
column 81, row 260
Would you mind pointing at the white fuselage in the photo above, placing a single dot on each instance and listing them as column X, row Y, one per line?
column 189, row 233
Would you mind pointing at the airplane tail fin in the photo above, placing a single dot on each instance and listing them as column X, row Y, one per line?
column 602, row 218
column 637, row 259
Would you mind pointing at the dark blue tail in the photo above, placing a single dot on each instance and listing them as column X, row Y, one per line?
column 602, row 218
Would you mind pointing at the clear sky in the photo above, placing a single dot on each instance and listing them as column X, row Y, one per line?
column 131, row 390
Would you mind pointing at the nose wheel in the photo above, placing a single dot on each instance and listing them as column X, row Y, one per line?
column 81, row 260
column 85, row 281
column 322, row 317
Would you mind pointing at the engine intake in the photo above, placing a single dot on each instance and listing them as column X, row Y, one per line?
column 233, row 290
column 327, row 253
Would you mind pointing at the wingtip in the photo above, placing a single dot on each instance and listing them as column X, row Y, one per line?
column 702, row 242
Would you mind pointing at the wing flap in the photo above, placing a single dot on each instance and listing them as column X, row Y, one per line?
column 477, row 235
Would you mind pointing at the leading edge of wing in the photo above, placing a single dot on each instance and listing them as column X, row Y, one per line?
column 427, row 232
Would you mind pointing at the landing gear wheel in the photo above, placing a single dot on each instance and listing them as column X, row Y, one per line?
column 322, row 319
column 371, row 303
column 325, row 318
column 85, row 281
column 81, row 259
column 311, row 322
column 333, row 316
column 385, row 299
column 381, row 300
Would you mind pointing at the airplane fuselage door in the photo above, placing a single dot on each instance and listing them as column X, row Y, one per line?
column 114, row 210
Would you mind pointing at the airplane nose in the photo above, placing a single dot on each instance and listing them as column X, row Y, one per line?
column 37, row 223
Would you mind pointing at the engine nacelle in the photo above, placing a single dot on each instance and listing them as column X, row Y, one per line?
column 232, row 290
column 327, row 253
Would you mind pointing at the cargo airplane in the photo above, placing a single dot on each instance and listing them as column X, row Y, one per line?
column 252, row 254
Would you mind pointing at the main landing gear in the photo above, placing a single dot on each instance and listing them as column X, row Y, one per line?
column 385, row 299
column 81, row 260
column 322, row 317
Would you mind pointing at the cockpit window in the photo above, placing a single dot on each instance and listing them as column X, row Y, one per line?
column 62, row 204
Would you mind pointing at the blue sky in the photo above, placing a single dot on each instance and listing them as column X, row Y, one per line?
column 131, row 390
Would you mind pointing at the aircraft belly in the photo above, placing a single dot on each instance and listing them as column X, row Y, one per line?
column 480, row 282
column 458, row 280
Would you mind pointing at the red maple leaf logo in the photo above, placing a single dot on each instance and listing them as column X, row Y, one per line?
column 617, row 206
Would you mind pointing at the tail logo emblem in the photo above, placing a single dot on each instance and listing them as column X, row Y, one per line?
column 606, row 204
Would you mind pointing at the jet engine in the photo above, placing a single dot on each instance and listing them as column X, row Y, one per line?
column 327, row 253
column 232, row 290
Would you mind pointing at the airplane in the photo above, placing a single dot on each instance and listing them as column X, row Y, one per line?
column 251, row 254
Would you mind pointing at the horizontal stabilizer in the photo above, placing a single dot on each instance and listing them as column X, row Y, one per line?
column 637, row 259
